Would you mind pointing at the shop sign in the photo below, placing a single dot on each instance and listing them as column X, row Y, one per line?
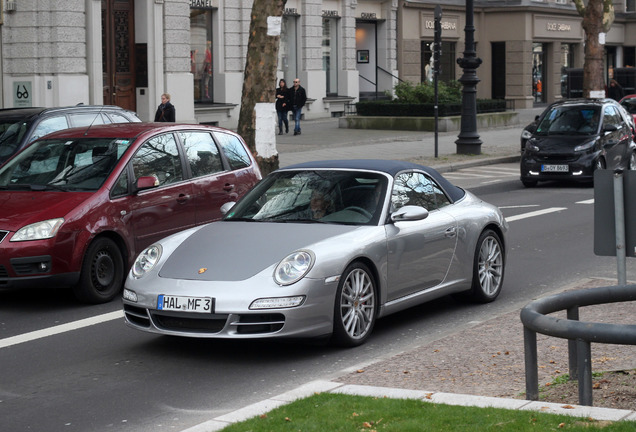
column 22, row 94
column 291, row 11
column 446, row 25
column 449, row 23
column 330, row 14
column 204, row 4
column 558, row 27
column 368, row 15
column 554, row 27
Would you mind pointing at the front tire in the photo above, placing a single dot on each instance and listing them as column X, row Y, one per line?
column 488, row 269
column 355, row 306
column 102, row 274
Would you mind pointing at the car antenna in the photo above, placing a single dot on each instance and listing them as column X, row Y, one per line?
column 96, row 115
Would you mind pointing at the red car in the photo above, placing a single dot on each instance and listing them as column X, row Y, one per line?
column 77, row 206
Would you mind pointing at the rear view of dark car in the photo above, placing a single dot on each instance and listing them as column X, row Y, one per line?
column 576, row 137
column 21, row 126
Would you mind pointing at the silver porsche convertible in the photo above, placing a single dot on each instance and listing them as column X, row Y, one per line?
column 321, row 249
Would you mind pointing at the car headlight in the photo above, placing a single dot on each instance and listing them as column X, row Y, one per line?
column 526, row 134
column 584, row 147
column 293, row 267
column 38, row 231
column 146, row 260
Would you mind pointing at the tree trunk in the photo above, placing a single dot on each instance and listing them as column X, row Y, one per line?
column 598, row 17
column 259, row 80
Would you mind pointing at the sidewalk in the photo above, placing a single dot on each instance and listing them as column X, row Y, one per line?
column 409, row 374
column 323, row 139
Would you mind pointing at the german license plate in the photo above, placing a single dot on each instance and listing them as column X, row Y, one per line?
column 554, row 168
column 185, row 304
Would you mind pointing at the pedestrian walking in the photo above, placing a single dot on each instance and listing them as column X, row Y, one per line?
column 282, row 106
column 165, row 111
column 298, row 97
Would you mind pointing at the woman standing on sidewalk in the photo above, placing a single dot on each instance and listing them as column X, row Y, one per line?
column 282, row 106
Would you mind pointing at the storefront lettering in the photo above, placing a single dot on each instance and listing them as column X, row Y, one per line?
column 201, row 3
column 368, row 15
column 330, row 13
column 446, row 25
column 560, row 27
column 290, row 11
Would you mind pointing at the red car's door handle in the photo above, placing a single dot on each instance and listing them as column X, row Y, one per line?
column 182, row 198
column 228, row 187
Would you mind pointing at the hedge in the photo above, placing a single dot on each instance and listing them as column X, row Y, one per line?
column 397, row 109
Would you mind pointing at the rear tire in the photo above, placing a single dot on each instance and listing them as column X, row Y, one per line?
column 102, row 274
column 355, row 306
column 488, row 269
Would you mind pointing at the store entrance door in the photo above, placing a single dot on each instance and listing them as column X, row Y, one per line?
column 118, row 53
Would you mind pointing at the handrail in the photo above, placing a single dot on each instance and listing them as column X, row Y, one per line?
column 366, row 79
column 389, row 73
column 580, row 334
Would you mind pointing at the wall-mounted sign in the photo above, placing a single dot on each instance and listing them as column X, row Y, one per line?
column 368, row 15
column 449, row 23
column 22, row 94
column 557, row 27
column 204, row 3
column 291, row 11
column 330, row 14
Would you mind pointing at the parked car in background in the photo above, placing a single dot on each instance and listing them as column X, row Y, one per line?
column 321, row 249
column 80, row 204
column 629, row 103
column 21, row 126
column 577, row 136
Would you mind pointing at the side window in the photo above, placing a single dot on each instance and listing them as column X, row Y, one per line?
column 610, row 116
column 117, row 118
column 413, row 188
column 121, row 186
column 234, row 150
column 202, row 153
column 159, row 157
column 49, row 125
column 85, row 120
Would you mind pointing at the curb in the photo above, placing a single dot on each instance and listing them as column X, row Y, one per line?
column 320, row 386
column 450, row 167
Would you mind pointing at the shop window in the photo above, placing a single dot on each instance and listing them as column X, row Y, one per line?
column 330, row 54
column 201, row 64
column 630, row 6
column 287, row 51
column 447, row 61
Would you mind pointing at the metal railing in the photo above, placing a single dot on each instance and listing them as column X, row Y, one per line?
column 580, row 335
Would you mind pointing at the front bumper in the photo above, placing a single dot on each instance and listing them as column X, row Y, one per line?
column 580, row 168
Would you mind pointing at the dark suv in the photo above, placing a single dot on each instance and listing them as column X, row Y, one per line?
column 21, row 126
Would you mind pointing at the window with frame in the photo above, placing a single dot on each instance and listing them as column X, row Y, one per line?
column 158, row 158
column 414, row 188
column 202, row 153
column 201, row 58
column 233, row 150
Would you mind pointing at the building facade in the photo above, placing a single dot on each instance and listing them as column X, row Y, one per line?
column 129, row 52
column 528, row 47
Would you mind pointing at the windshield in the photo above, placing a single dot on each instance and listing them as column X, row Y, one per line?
column 570, row 120
column 78, row 164
column 329, row 196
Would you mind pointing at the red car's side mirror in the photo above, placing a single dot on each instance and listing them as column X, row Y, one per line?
column 147, row 182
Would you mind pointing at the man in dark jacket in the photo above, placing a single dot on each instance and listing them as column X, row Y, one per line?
column 165, row 111
column 298, row 98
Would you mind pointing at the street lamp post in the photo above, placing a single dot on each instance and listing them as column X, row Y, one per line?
column 468, row 141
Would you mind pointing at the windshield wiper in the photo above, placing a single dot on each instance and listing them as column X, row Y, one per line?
column 39, row 187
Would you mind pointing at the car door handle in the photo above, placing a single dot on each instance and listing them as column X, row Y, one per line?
column 228, row 187
column 182, row 198
column 450, row 232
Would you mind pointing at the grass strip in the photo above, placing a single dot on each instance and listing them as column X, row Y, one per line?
column 343, row 413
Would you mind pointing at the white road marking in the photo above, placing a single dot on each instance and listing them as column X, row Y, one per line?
column 519, row 206
column 62, row 328
column 590, row 201
column 535, row 213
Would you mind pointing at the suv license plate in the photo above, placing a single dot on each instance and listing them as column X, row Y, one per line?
column 554, row 168
column 185, row 304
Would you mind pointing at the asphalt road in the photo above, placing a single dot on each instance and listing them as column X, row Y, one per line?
column 105, row 376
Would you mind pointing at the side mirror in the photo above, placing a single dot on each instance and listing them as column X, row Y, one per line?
column 409, row 213
column 609, row 128
column 147, row 182
column 225, row 208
